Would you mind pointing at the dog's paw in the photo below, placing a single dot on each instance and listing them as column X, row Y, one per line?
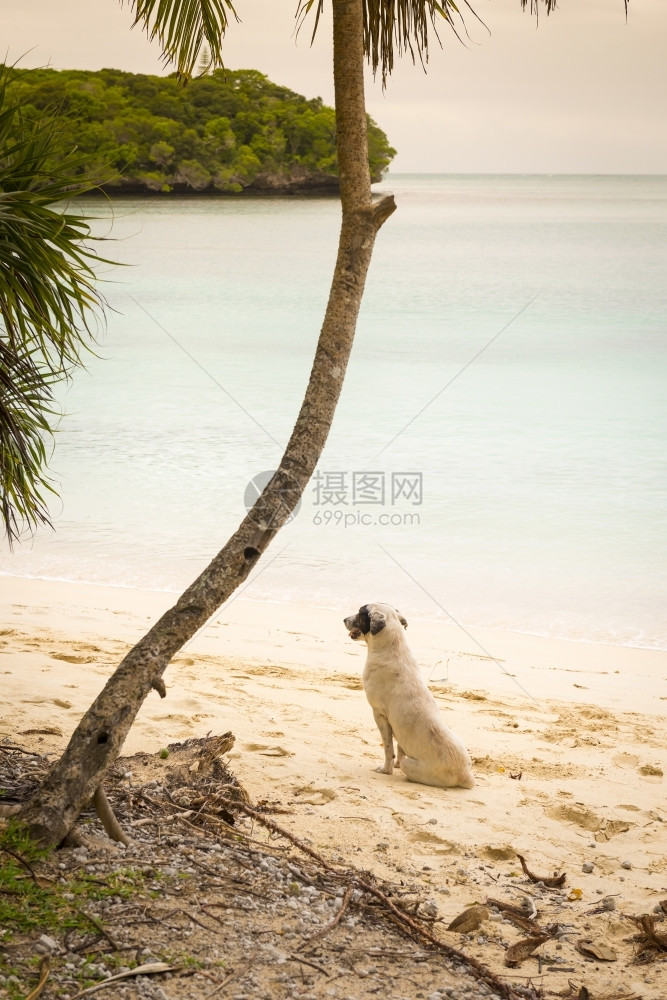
column 384, row 769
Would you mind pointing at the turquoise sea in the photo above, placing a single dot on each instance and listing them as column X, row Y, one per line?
column 500, row 449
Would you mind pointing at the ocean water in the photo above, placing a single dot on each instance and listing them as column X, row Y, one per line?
column 499, row 453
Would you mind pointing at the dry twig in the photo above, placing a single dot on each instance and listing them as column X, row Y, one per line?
column 232, row 975
column 98, row 927
column 550, row 881
column 336, row 920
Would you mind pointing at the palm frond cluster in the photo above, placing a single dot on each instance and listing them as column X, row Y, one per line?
column 48, row 303
column 403, row 27
column 184, row 27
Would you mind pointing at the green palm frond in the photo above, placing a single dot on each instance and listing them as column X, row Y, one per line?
column 27, row 414
column 50, row 308
column 396, row 26
column 183, row 27
column 48, row 298
column 403, row 25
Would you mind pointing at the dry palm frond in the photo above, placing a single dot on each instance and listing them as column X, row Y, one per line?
column 551, row 5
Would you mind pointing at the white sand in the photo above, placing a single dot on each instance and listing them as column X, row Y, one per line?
column 583, row 724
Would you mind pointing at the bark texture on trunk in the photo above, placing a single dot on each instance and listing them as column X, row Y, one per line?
column 99, row 737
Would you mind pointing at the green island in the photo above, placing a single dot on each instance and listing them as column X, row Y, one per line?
column 223, row 132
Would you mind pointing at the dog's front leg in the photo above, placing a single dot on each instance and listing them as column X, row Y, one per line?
column 382, row 723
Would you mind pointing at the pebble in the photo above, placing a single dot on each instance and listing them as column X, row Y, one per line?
column 588, row 867
column 626, row 864
column 47, row 943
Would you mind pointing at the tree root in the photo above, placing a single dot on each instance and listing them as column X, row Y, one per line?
column 111, row 825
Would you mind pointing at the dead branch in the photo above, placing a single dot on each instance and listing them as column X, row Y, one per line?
column 98, row 927
column 336, row 920
column 550, row 881
column 232, row 975
column 21, row 861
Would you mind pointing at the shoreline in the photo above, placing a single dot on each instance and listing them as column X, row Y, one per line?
column 488, row 630
column 508, row 665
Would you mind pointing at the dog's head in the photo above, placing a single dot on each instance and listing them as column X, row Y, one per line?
column 371, row 619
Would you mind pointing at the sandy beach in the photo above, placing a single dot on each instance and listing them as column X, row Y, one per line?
column 568, row 741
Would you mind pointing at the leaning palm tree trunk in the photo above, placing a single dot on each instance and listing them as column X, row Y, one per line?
column 52, row 811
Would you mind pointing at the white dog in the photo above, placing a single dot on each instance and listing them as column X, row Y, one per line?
column 403, row 707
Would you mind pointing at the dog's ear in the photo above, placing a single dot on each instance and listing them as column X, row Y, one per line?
column 377, row 621
column 364, row 619
column 402, row 619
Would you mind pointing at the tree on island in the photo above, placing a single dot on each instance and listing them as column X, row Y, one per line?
column 361, row 28
column 226, row 132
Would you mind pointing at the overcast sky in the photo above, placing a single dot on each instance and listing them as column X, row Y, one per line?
column 582, row 93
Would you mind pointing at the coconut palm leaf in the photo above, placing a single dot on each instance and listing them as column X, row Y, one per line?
column 49, row 306
column 402, row 26
column 392, row 24
column 183, row 27
column 26, row 415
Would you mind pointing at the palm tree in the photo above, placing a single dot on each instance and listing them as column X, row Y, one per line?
column 48, row 300
column 361, row 28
